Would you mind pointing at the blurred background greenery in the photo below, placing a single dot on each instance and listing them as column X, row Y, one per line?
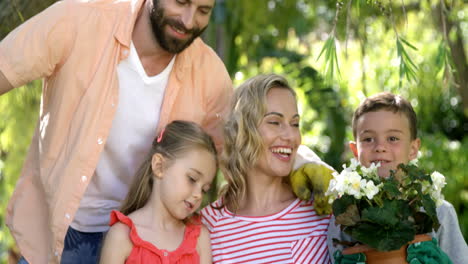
column 414, row 48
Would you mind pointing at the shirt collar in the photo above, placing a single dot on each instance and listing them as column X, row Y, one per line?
column 129, row 9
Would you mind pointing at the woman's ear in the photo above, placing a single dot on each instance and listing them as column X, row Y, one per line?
column 157, row 165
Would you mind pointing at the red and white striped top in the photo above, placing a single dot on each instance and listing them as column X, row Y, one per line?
column 294, row 235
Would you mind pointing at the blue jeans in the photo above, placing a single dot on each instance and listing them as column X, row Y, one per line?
column 79, row 247
column 22, row 261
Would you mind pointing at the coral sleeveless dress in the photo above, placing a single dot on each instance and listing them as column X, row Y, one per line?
column 145, row 252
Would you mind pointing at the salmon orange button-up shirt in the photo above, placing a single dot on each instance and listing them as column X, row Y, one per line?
column 76, row 45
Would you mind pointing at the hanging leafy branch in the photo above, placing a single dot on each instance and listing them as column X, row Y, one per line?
column 407, row 67
column 444, row 62
column 331, row 57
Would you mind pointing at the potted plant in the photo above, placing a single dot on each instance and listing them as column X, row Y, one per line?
column 385, row 214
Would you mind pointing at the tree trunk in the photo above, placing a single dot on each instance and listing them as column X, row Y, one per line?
column 458, row 54
column 461, row 65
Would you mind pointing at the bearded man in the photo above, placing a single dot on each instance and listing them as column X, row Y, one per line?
column 114, row 73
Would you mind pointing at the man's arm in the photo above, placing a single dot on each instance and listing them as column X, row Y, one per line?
column 306, row 155
column 35, row 48
column 5, row 85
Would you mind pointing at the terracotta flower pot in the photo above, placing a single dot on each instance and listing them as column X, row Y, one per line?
column 385, row 257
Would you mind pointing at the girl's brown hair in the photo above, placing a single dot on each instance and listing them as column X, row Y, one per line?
column 177, row 138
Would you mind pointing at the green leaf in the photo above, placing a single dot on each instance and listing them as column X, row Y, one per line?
column 325, row 47
column 440, row 56
column 430, row 208
column 382, row 238
column 350, row 217
column 391, row 188
column 390, row 215
column 423, row 223
column 331, row 58
column 358, row 7
column 407, row 43
column 341, row 204
column 384, row 216
column 407, row 66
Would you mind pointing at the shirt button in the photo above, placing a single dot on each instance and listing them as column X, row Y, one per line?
column 125, row 52
column 84, row 178
column 165, row 253
column 67, row 216
column 100, row 141
column 56, row 253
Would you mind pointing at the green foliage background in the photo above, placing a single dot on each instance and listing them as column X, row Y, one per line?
column 286, row 37
column 18, row 114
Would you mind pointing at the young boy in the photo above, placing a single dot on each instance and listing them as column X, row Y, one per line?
column 384, row 127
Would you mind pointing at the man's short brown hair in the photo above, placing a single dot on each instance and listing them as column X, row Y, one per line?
column 389, row 102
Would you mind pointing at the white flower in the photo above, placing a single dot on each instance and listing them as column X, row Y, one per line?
column 353, row 166
column 336, row 186
column 438, row 198
column 371, row 171
column 339, row 186
column 374, row 166
column 414, row 162
column 353, row 184
column 331, row 192
column 347, row 182
column 426, row 187
column 370, row 190
column 438, row 180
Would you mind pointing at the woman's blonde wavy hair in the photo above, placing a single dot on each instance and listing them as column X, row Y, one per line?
column 242, row 140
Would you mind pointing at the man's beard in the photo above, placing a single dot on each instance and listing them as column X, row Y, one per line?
column 167, row 42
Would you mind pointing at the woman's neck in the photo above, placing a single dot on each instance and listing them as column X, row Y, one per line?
column 265, row 195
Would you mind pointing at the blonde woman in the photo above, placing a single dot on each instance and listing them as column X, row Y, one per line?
column 258, row 219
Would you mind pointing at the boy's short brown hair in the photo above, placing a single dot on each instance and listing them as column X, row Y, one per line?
column 390, row 102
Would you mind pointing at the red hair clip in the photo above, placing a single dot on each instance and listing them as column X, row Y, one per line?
column 160, row 135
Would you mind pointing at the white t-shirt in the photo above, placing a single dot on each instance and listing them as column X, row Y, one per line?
column 133, row 130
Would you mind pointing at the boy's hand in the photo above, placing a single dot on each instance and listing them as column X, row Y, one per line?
column 313, row 178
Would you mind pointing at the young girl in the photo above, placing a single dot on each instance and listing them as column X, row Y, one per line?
column 155, row 223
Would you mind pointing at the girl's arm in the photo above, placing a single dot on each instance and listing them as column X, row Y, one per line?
column 117, row 245
column 204, row 246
